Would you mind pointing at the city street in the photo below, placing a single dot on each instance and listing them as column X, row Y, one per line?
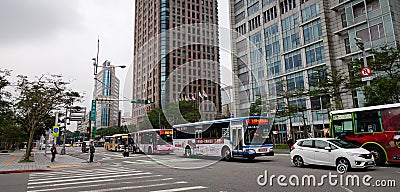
column 176, row 173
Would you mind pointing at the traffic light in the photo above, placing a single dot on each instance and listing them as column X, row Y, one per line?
column 88, row 130
column 148, row 101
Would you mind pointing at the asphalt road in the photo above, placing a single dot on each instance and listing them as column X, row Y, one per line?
column 175, row 173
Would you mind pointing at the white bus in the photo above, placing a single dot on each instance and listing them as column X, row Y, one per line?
column 153, row 141
column 246, row 137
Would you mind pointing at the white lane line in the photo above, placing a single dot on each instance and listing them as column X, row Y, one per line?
column 348, row 190
column 104, row 181
column 99, row 177
column 135, row 187
column 81, row 175
column 73, row 171
column 141, row 160
column 89, row 186
column 129, row 162
column 181, row 189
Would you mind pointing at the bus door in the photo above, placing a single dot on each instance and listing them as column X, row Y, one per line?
column 198, row 140
column 237, row 139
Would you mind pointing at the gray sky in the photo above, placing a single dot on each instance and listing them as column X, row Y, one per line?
column 60, row 37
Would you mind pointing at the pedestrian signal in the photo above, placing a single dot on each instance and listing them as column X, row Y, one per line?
column 56, row 131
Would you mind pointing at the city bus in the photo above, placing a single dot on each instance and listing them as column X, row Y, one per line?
column 246, row 137
column 375, row 128
column 117, row 142
column 153, row 141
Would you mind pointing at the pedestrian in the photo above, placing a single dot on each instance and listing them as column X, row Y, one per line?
column 53, row 152
column 92, row 151
column 290, row 143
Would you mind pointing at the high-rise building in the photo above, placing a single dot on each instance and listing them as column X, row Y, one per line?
column 176, row 55
column 107, row 95
column 278, row 45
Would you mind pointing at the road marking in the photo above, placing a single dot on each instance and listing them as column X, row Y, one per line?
column 81, row 175
column 82, row 172
column 181, row 189
column 86, row 186
column 10, row 161
column 347, row 189
column 99, row 181
column 100, row 177
column 135, row 187
column 279, row 154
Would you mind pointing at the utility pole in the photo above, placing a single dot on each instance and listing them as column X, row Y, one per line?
column 65, row 131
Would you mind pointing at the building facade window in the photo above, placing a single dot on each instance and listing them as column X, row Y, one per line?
column 312, row 31
column 290, row 32
column 293, row 61
column 287, row 5
column 253, row 8
column 315, row 54
column 310, row 12
column 295, row 81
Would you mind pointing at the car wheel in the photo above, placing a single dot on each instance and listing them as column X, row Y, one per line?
column 339, row 165
column 226, row 154
column 379, row 155
column 298, row 161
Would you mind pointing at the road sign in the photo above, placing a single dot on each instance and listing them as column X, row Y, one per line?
column 367, row 78
column 56, row 131
column 366, row 71
column 93, row 111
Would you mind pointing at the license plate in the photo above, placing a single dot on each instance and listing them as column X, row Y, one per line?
column 263, row 150
column 370, row 162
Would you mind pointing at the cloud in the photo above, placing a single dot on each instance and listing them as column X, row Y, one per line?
column 24, row 21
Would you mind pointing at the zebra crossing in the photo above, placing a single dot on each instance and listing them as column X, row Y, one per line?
column 144, row 159
column 107, row 179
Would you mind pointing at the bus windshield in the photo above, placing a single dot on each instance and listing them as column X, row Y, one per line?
column 164, row 139
column 254, row 136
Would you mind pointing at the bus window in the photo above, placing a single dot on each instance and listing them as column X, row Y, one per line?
column 343, row 126
column 368, row 121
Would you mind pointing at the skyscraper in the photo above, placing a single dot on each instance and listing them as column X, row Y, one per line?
column 176, row 55
column 279, row 45
column 107, row 94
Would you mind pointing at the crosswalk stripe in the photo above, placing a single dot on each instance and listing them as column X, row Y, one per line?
column 82, row 175
column 100, row 177
column 82, row 172
column 88, row 186
column 181, row 189
column 109, row 170
column 135, row 187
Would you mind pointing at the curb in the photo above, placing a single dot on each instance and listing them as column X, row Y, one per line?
column 24, row 171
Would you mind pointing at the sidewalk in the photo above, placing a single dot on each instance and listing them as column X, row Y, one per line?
column 9, row 162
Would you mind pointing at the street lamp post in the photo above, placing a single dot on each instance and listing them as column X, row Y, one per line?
column 95, row 66
column 360, row 45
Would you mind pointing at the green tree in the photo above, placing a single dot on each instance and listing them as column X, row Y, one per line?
column 38, row 99
column 385, row 87
column 10, row 131
column 256, row 107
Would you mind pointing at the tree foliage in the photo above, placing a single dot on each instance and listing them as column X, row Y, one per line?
column 174, row 113
column 38, row 99
column 385, row 87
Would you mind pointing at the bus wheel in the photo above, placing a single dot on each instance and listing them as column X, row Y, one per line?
column 226, row 153
column 379, row 155
column 251, row 157
column 188, row 152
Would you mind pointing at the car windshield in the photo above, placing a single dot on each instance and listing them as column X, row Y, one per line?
column 343, row 144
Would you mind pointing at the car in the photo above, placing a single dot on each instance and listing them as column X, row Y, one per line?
column 85, row 146
column 330, row 152
column 42, row 147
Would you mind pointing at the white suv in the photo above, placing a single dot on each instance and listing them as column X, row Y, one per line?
column 330, row 152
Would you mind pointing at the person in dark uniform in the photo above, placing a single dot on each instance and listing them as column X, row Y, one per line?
column 53, row 152
column 92, row 151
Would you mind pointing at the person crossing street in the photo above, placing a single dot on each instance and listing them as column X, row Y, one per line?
column 53, row 152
